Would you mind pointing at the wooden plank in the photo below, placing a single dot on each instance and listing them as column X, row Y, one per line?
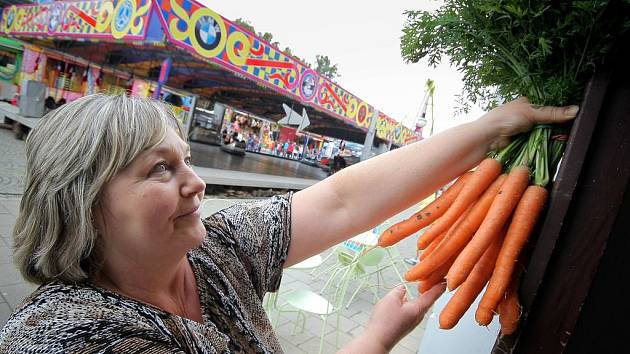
column 565, row 184
column 559, row 200
column 583, row 208
column 603, row 320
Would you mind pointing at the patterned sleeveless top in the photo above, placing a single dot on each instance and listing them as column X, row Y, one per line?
column 240, row 259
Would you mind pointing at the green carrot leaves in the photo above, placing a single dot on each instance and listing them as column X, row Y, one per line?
column 544, row 50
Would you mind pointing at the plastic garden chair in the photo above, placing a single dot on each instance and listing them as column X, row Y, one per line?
column 307, row 301
column 271, row 301
column 371, row 259
column 355, row 258
column 303, row 301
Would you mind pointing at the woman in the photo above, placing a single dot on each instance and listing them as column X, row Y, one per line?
column 109, row 225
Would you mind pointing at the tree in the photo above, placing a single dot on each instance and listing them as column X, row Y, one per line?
column 325, row 68
column 245, row 24
column 248, row 25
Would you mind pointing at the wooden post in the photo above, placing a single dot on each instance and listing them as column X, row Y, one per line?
column 573, row 293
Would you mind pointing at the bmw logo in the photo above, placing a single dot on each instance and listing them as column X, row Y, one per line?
column 123, row 16
column 207, row 32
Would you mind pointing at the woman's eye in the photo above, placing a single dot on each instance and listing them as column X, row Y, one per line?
column 188, row 161
column 160, row 168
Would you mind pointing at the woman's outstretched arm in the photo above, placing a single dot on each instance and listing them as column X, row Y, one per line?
column 363, row 195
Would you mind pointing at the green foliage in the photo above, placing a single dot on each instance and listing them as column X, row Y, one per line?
column 245, row 24
column 324, row 67
column 508, row 48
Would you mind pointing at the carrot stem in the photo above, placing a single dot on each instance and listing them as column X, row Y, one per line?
column 541, row 169
column 508, row 152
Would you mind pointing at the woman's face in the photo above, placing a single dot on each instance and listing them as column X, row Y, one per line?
column 150, row 210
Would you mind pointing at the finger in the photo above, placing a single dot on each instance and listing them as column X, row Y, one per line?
column 523, row 99
column 549, row 114
column 428, row 298
column 398, row 293
column 419, row 307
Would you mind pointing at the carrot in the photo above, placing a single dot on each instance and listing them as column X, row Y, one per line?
column 459, row 235
column 435, row 277
column 424, row 217
column 432, row 247
column 467, row 293
column 523, row 222
column 510, row 309
column 422, row 246
column 499, row 212
column 487, row 171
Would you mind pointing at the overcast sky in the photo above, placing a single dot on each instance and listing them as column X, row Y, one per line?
column 363, row 39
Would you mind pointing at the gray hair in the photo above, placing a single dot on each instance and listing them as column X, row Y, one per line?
column 73, row 152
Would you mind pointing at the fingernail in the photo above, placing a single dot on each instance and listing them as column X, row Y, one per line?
column 571, row 111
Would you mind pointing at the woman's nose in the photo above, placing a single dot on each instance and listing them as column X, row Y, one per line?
column 193, row 184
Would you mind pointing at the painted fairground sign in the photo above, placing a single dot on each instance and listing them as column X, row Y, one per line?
column 206, row 35
column 119, row 19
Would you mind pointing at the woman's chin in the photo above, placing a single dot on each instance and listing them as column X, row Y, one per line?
column 194, row 234
column 200, row 234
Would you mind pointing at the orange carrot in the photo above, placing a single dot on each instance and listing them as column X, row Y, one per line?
column 435, row 277
column 432, row 247
column 421, row 245
column 467, row 293
column 523, row 222
column 510, row 309
column 487, row 171
column 460, row 234
column 499, row 212
column 412, row 273
column 424, row 217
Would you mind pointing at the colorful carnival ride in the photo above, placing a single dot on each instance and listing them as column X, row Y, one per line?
column 208, row 56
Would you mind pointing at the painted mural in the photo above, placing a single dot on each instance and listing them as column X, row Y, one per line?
column 207, row 35
column 97, row 19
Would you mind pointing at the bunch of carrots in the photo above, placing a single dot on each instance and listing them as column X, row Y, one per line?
column 479, row 226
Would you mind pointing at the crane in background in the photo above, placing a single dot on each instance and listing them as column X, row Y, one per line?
column 421, row 121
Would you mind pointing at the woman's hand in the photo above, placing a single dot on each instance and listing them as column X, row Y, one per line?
column 393, row 317
column 519, row 116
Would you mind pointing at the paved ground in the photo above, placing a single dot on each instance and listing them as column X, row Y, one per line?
column 212, row 156
column 12, row 164
column 352, row 320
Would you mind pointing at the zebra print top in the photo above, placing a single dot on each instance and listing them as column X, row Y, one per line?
column 240, row 259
